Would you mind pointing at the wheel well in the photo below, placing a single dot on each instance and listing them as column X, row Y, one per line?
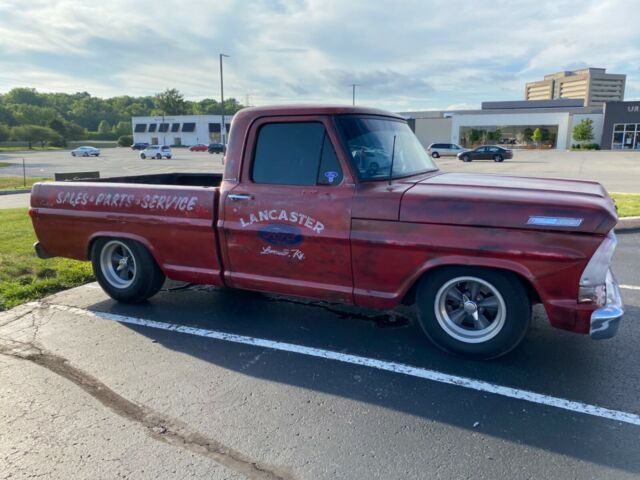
column 410, row 297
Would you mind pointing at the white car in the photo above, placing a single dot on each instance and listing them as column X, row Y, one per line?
column 85, row 152
column 156, row 151
column 437, row 150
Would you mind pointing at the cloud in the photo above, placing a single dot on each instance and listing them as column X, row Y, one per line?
column 403, row 55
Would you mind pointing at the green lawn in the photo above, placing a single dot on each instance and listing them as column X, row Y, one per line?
column 628, row 204
column 26, row 149
column 4, row 164
column 16, row 183
column 23, row 276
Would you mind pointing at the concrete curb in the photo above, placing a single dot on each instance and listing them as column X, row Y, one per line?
column 14, row 192
column 628, row 223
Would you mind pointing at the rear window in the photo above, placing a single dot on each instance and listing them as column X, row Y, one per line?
column 298, row 153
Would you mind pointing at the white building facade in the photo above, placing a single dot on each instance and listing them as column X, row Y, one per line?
column 509, row 123
column 179, row 130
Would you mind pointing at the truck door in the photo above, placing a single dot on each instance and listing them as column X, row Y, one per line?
column 287, row 222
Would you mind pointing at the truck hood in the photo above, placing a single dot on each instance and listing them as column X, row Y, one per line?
column 510, row 202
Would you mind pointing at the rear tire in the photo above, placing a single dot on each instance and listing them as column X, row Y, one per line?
column 465, row 158
column 477, row 313
column 143, row 156
column 435, row 155
column 125, row 270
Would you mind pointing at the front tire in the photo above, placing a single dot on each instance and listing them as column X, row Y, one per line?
column 474, row 312
column 465, row 158
column 497, row 158
column 435, row 155
column 125, row 270
column 143, row 156
column 158, row 156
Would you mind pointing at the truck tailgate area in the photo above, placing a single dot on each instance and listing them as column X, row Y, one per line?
column 175, row 223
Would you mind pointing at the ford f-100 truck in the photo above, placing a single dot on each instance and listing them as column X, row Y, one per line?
column 343, row 204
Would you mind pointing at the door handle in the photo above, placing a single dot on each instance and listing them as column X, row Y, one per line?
column 240, row 196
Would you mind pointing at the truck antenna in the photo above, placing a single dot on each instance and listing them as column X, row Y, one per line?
column 393, row 154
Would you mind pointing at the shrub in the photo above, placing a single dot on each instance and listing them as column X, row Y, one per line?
column 125, row 141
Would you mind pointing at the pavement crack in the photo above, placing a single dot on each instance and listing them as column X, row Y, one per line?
column 158, row 426
column 388, row 319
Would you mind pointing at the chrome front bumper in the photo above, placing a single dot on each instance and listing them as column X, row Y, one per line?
column 606, row 320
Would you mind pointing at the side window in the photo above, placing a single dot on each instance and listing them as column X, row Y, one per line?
column 297, row 153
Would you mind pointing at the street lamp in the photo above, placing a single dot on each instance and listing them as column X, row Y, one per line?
column 223, row 129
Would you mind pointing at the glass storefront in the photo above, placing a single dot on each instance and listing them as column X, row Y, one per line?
column 512, row 136
column 626, row 136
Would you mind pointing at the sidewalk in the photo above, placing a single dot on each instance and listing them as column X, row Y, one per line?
column 17, row 200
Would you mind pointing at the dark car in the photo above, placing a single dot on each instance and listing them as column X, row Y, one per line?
column 216, row 148
column 486, row 152
column 139, row 146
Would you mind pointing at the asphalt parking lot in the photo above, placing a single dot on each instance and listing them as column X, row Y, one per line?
column 617, row 171
column 205, row 383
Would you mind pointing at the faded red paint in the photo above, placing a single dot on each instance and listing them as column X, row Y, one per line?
column 362, row 243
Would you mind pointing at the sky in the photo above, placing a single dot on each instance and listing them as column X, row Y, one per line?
column 402, row 54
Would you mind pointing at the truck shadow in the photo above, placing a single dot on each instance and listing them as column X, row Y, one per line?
column 549, row 361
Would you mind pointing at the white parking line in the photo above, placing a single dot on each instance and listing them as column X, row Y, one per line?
column 393, row 367
column 630, row 287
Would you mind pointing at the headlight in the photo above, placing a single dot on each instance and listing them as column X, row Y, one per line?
column 593, row 280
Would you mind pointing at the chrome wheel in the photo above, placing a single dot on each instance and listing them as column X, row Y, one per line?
column 118, row 264
column 470, row 309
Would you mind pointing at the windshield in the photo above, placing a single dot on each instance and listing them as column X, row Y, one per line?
column 370, row 141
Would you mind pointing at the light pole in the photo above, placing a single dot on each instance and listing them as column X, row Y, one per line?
column 354, row 85
column 164, row 132
column 223, row 129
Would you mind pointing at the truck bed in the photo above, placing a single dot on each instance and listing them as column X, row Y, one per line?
column 172, row 214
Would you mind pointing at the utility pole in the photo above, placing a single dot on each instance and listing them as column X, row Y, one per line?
column 354, row 85
column 223, row 128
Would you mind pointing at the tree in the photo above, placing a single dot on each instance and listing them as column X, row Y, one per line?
column 35, row 133
column 125, row 140
column 5, row 132
column 24, row 96
column 122, row 128
column 58, row 126
column 104, row 128
column 170, row 102
column 73, row 131
column 536, row 136
column 583, row 131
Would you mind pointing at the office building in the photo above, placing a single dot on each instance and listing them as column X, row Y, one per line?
column 592, row 85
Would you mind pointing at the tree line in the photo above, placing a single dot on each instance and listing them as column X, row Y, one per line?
column 53, row 118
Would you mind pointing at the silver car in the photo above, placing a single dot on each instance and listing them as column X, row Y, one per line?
column 437, row 150
column 85, row 152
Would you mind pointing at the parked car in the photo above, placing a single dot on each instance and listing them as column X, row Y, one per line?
column 139, row 146
column 200, row 147
column 216, row 148
column 85, row 152
column 437, row 150
column 156, row 151
column 473, row 252
column 486, row 152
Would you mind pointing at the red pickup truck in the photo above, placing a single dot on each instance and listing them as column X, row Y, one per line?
column 343, row 204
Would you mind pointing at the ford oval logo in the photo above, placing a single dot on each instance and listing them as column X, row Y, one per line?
column 281, row 234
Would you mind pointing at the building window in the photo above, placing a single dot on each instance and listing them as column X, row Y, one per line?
column 177, row 142
column 214, row 128
column 189, row 127
column 154, row 140
column 152, row 127
column 626, row 136
column 175, row 127
column 163, row 127
column 140, row 128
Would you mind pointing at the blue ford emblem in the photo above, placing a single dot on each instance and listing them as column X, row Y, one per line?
column 281, row 234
